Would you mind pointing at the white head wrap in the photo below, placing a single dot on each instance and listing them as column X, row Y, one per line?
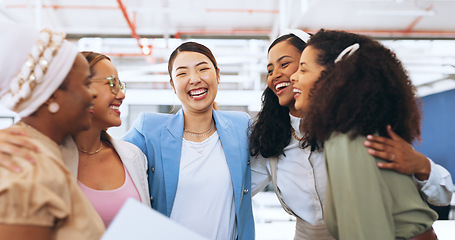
column 33, row 65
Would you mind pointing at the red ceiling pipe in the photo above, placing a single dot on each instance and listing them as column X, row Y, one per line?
column 409, row 32
column 222, row 32
column 417, row 20
column 133, row 28
column 405, row 33
column 54, row 6
column 374, row 33
column 128, row 21
column 66, row 7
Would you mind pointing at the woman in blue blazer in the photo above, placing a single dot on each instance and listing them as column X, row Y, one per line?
column 198, row 159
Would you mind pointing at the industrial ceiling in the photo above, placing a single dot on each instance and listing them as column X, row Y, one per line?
column 140, row 34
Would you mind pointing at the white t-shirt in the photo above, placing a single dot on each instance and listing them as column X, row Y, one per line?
column 204, row 201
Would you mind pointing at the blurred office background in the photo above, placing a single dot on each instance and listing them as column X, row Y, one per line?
column 139, row 36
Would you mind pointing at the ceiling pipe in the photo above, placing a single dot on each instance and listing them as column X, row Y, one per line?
column 55, row 7
column 178, row 34
column 379, row 33
column 145, row 49
column 128, row 21
column 405, row 33
column 418, row 19
column 373, row 33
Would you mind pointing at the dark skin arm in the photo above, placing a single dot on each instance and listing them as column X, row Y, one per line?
column 11, row 144
column 401, row 155
column 25, row 232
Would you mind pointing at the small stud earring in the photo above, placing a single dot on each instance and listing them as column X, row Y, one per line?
column 53, row 107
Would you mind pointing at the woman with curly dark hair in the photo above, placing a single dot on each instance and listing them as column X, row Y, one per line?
column 298, row 174
column 350, row 86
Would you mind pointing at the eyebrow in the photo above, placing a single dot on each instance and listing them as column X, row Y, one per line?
column 204, row 62
column 185, row 67
column 181, row 67
column 279, row 59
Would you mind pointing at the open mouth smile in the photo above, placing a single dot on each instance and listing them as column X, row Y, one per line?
column 198, row 92
column 281, row 86
column 114, row 107
column 297, row 92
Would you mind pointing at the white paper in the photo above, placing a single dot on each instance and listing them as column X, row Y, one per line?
column 136, row 221
column 444, row 229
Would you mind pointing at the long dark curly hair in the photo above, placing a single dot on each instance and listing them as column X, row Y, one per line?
column 271, row 130
column 362, row 93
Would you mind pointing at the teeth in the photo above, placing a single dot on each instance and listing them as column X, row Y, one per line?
column 282, row 85
column 197, row 92
column 297, row 90
column 115, row 107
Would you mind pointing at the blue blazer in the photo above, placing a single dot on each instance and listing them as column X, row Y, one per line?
column 159, row 136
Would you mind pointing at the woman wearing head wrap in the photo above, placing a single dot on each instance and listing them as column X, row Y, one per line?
column 350, row 86
column 199, row 147
column 113, row 170
column 47, row 83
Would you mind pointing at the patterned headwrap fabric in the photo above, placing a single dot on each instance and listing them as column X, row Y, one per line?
column 33, row 65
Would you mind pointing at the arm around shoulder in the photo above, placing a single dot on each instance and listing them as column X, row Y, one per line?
column 260, row 176
column 438, row 188
column 24, row 232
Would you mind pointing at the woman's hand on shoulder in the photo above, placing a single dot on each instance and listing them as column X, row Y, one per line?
column 399, row 154
column 12, row 144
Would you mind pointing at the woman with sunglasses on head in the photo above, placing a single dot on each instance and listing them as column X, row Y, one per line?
column 47, row 83
column 350, row 86
column 299, row 183
column 108, row 170
column 198, row 159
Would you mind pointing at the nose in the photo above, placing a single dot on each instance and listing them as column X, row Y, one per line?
column 194, row 79
column 93, row 92
column 120, row 95
column 294, row 78
column 276, row 74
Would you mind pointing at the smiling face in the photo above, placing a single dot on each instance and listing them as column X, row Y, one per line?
column 283, row 62
column 306, row 76
column 195, row 81
column 76, row 97
column 106, row 110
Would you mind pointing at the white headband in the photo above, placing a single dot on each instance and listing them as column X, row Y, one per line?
column 298, row 33
column 348, row 50
column 35, row 65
